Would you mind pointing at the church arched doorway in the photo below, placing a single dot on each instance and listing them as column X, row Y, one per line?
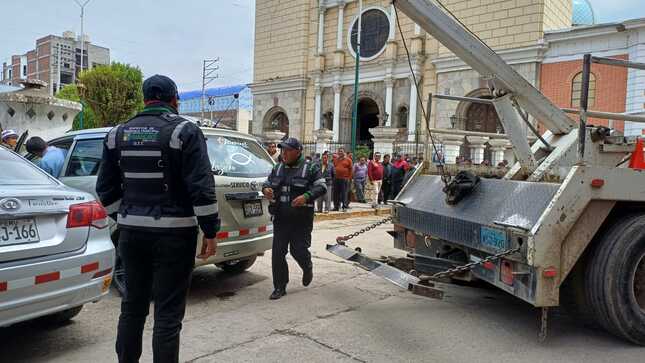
column 368, row 117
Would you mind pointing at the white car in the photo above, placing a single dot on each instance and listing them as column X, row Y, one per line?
column 55, row 247
column 240, row 166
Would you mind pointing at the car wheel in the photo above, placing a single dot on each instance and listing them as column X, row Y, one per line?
column 615, row 282
column 62, row 316
column 237, row 266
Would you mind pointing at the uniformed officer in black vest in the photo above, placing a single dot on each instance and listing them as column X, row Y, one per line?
column 157, row 175
column 292, row 187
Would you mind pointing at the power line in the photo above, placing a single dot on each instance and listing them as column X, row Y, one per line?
column 211, row 66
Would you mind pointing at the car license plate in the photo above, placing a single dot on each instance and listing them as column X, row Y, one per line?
column 252, row 208
column 492, row 237
column 16, row 231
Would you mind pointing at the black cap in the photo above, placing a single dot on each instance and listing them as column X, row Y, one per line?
column 160, row 88
column 290, row 143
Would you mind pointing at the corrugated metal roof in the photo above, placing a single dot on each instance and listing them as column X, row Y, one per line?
column 213, row 92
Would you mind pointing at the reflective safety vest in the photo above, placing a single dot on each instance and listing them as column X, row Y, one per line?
column 153, row 194
column 289, row 183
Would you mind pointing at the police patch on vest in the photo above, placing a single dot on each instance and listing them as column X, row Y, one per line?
column 137, row 136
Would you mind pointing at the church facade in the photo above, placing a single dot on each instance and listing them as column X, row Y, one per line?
column 305, row 53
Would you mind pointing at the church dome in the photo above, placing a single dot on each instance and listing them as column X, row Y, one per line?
column 583, row 13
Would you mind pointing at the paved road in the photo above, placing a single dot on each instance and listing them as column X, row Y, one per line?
column 346, row 315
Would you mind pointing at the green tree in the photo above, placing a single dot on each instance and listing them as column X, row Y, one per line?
column 70, row 92
column 113, row 92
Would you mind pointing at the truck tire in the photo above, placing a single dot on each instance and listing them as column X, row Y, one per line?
column 239, row 266
column 62, row 316
column 615, row 279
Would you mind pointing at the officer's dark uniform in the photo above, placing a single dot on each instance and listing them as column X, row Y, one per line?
column 156, row 173
column 292, row 226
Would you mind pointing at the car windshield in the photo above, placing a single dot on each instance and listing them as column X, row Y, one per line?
column 232, row 156
column 18, row 171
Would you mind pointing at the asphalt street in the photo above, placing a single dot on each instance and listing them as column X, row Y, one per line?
column 345, row 315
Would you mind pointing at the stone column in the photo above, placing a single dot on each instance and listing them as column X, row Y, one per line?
column 321, row 29
column 477, row 146
column 383, row 139
column 412, row 115
column 498, row 149
column 323, row 138
column 317, row 106
column 392, row 23
column 337, row 89
column 389, row 84
column 341, row 21
column 451, row 147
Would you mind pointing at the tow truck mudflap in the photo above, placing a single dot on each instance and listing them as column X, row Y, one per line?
column 390, row 273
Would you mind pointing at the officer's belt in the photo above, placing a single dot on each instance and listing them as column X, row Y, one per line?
column 162, row 222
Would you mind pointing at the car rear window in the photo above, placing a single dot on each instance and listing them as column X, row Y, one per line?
column 233, row 156
column 18, row 171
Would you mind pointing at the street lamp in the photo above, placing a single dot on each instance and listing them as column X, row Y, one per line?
column 453, row 121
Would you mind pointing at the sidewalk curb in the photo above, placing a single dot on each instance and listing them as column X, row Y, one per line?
column 353, row 214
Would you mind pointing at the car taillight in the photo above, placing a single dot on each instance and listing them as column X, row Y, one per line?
column 87, row 214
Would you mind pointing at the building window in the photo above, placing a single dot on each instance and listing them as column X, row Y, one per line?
column 576, row 90
column 375, row 31
column 403, row 117
column 24, row 71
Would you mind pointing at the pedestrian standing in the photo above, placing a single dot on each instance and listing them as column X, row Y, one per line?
column 323, row 203
column 159, row 209
column 397, row 174
column 293, row 186
column 343, row 168
column 9, row 138
column 375, row 176
column 360, row 177
column 51, row 157
column 387, row 182
column 273, row 152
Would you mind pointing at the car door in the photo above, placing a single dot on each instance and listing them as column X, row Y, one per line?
column 83, row 163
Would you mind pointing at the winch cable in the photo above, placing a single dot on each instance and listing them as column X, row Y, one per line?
column 445, row 177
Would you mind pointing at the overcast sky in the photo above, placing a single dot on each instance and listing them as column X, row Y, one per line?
column 172, row 37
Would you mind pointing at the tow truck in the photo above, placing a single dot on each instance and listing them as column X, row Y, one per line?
column 564, row 226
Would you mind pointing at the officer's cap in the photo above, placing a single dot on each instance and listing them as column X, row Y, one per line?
column 290, row 143
column 160, row 88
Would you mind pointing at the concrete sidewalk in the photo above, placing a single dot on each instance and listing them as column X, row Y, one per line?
column 356, row 210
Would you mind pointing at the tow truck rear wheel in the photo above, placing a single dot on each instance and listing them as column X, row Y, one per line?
column 615, row 279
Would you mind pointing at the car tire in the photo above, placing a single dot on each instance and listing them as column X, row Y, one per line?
column 573, row 296
column 239, row 266
column 62, row 317
column 615, row 279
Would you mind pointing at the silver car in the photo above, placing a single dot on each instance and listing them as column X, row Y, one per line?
column 55, row 247
column 240, row 166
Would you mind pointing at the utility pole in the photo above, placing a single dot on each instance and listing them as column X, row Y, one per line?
column 357, row 74
column 208, row 75
column 82, row 6
column 59, row 65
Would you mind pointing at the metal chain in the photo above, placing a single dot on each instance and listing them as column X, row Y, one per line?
column 342, row 239
column 467, row 267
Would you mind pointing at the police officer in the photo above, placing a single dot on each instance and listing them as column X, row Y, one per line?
column 157, row 175
column 292, row 187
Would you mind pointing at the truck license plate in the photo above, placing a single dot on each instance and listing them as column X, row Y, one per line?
column 252, row 208
column 491, row 237
column 17, row 231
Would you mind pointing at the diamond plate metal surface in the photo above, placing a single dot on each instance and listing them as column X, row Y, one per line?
column 495, row 203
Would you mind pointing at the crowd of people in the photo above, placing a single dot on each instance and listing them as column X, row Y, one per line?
column 374, row 180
